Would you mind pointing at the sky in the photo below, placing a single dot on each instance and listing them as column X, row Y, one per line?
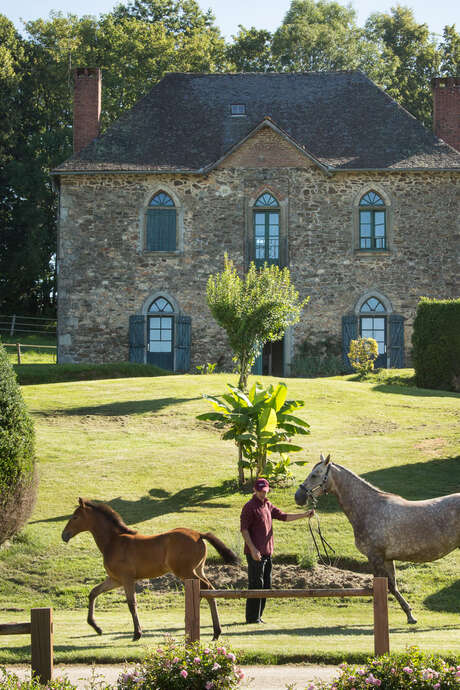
column 263, row 14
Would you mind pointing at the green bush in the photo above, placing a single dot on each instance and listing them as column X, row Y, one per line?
column 412, row 669
column 10, row 681
column 436, row 344
column 362, row 353
column 17, row 460
column 177, row 665
column 315, row 359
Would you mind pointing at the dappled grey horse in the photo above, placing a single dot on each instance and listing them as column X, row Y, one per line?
column 386, row 526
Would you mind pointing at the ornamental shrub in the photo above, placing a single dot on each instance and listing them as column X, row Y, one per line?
column 362, row 353
column 17, row 460
column 180, row 666
column 436, row 344
column 412, row 669
column 10, row 681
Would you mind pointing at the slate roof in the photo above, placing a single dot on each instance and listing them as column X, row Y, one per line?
column 340, row 119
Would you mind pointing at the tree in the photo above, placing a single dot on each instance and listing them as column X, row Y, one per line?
column 319, row 36
column 450, row 52
column 410, row 56
column 251, row 51
column 17, row 460
column 253, row 310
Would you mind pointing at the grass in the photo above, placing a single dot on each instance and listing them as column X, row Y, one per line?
column 136, row 444
column 45, row 353
column 33, row 374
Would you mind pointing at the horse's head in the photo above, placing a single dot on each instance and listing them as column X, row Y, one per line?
column 316, row 482
column 78, row 522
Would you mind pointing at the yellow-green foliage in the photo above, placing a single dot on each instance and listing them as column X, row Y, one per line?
column 362, row 353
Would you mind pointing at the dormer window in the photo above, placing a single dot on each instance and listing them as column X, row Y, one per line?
column 238, row 109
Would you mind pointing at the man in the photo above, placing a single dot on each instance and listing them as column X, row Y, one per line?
column 257, row 531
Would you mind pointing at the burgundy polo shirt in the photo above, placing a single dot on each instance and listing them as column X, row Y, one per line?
column 256, row 517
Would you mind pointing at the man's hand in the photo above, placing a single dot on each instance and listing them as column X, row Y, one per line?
column 310, row 513
column 256, row 555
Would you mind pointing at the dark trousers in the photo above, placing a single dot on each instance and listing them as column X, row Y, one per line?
column 259, row 577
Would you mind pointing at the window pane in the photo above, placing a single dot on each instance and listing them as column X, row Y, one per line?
column 166, row 335
column 266, row 200
column 259, row 219
column 365, row 243
column 365, row 230
column 273, row 218
column 273, row 252
column 165, row 322
column 260, row 231
column 367, row 323
column 365, row 217
column 161, row 199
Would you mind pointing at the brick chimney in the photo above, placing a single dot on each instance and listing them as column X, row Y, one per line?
column 86, row 106
column 446, row 109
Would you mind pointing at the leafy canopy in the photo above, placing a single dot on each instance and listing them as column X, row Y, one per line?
column 253, row 310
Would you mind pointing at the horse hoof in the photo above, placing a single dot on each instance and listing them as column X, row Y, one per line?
column 412, row 621
column 137, row 635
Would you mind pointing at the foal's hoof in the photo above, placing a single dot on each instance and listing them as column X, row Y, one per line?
column 411, row 620
column 137, row 635
column 96, row 628
column 215, row 636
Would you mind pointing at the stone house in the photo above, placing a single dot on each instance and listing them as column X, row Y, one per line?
column 320, row 172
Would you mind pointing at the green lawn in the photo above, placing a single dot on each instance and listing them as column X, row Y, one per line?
column 137, row 444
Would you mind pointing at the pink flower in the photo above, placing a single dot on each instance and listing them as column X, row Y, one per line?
column 216, row 666
column 408, row 669
column 159, row 650
column 197, row 660
column 361, row 672
column 231, row 656
column 184, row 673
column 240, row 673
column 175, row 660
column 221, row 650
column 393, row 670
column 457, row 675
column 207, row 651
column 209, row 685
column 437, row 686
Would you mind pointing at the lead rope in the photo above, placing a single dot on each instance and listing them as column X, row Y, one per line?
column 326, row 559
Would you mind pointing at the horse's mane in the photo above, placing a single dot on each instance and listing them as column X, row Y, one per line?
column 111, row 515
column 364, row 481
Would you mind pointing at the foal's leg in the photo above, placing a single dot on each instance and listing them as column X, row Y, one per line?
column 393, row 587
column 131, row 599
column 205, row 584
column 105, row 586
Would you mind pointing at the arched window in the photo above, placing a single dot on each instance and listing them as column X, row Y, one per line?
column 160, row 334
column 161, row 224
column 372, row 222
column 373, row 324
column 266, row 230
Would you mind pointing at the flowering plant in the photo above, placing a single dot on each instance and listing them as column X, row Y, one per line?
column 413, row 669
column 179, row 666
column 10, row 681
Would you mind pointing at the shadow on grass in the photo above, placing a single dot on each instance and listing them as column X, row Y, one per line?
column 119, row 409
column 161, row 502
column 398, row 389
column 415, row 481
column 447, row 599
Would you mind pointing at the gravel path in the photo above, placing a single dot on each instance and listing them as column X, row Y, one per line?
column 256, row 677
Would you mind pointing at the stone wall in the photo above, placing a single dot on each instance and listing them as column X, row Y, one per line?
column 105, row 275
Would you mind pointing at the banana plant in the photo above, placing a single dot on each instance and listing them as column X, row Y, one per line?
column 261, row 423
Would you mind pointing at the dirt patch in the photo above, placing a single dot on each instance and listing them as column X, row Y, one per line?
column 431, row 445
column 284, row 577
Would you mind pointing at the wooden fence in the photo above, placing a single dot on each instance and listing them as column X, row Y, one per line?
column 40, row 630
column 18, row 347
column 379, row 593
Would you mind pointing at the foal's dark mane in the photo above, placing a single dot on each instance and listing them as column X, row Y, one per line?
column 112, row 516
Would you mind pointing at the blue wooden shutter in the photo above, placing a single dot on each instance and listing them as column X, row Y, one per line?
column 183, row 340
column 257, row 366
column 137, row 338
column 161, row 230
column 349, row 332
column 396, row 341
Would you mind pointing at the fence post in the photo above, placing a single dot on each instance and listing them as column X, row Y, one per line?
column 18, row 347
column 381, row 632
column 13, row 321
column 192, row 610
column 41, row 624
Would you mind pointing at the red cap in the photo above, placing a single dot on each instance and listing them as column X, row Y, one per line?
column 261, row 484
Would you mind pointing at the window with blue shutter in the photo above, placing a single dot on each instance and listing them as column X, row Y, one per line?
column 396, row 341
column 349, row 333
column 161, row 224
column 372, row 222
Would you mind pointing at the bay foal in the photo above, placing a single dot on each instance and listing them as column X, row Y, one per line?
column 129, row 556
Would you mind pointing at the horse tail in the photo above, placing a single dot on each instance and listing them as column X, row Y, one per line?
column 227, row 554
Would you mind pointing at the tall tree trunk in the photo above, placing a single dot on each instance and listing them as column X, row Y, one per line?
column 240, row 466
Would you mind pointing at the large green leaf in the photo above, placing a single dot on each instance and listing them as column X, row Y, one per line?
column 285, row 448
column 279, row 396
column 292, row 418
column 267, row 420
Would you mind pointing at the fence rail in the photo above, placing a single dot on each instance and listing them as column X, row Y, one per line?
column 379, row 593
column 40, row 630
column 16, row 323
column 19, row 346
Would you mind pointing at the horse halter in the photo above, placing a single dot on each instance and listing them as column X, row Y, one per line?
column 314, row 493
